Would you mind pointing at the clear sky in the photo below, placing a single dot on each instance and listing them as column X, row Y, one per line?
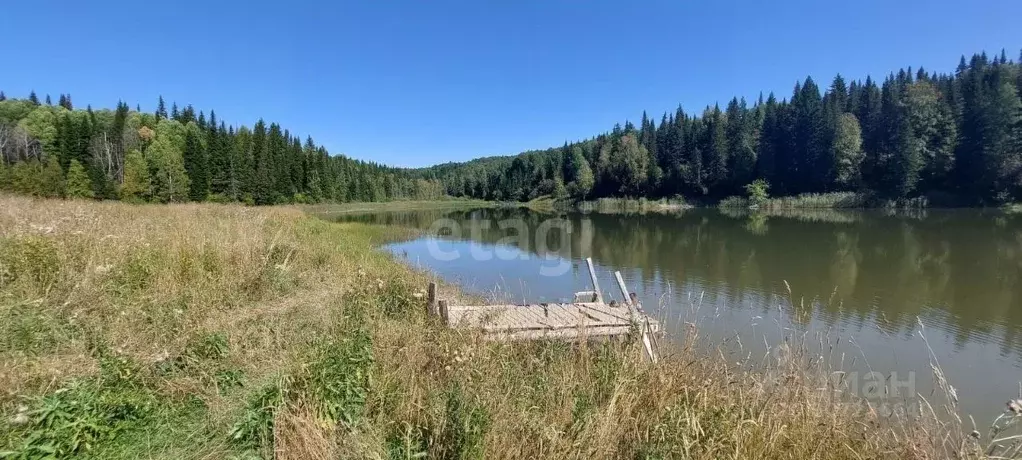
column 413, row 83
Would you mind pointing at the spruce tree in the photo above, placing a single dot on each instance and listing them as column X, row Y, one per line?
column 1000, row 131
column 161, row 109
column 33, row 98
column 52, row 178
column 78, row 183
column 195, row 164
column 716, row 150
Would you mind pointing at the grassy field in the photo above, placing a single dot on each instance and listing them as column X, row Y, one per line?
column 220, row 331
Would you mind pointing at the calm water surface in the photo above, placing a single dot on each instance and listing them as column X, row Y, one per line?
column 863, row 280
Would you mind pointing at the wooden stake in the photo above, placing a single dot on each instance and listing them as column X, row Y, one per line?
column 431, row 307
column 596, row 284
column 444, row 313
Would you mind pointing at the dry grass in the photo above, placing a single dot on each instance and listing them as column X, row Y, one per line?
column 218, row 331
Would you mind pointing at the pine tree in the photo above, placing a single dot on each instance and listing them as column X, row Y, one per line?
column 33, row 98
column 78, row 183
column 3, row 97
column 49, row 102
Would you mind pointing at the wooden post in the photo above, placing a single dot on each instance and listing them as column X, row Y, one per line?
column 444, row 313
column 627, row 298
column 431, row 307
column 596, row 284
column 633, row 304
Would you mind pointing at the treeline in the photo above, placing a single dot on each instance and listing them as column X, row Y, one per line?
column 916, row 133
column 55, row 150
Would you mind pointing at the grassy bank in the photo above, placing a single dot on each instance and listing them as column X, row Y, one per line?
column 351, row 208
column 613, row 205
column 219, row 331
column 834, row 200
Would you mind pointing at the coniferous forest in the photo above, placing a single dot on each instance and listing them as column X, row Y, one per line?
column 916, row 133
column 956, row 136
column 55, row 150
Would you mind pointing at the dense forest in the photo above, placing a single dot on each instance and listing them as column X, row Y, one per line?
column 56, row 150
column 956, row 136
column 916, row 133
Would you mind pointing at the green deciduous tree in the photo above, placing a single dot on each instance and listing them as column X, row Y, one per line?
column 137, row 185
column 170, row 181
column 847, row 151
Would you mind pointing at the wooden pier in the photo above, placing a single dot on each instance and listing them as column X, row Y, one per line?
column 588, row 316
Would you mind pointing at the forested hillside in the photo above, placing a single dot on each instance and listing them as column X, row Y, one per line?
column 915, row 133
column 55, row 150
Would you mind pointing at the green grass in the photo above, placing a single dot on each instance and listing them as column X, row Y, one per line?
column 631, row 206
column 453, row 203
column 833, row 200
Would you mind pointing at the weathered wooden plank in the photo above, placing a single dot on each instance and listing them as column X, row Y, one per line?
column 504, row 316
column 592, row 276
column 568, row 315
column 604, row 314
column 570, row 333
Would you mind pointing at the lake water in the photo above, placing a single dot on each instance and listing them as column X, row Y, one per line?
column 862, row 282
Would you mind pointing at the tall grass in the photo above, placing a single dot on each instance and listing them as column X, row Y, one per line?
column 832, row 200
column 219, row 331
column 632, row 206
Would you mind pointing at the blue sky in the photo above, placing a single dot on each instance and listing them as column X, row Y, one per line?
column 413, row 83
